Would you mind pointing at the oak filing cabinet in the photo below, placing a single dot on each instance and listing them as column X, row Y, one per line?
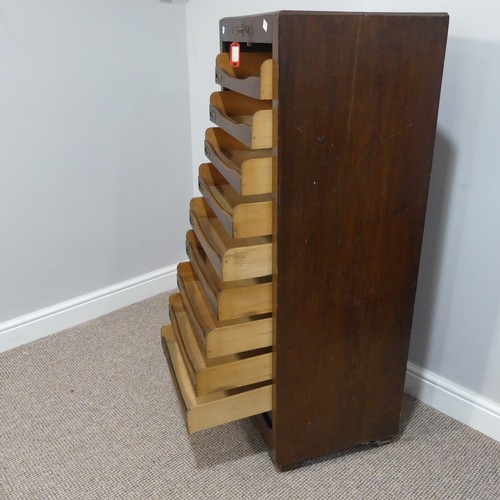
column 296, row 304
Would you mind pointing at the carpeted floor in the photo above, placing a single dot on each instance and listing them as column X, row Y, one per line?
column 91, row 413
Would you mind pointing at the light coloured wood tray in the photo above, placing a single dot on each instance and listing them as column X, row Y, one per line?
column 216, row 374
column 233, row 299
column 219, row 338
column 231, row 259
column 241, row 217
column 248, row 171
column 204, row 412
column 248, row 120
column 253, row 78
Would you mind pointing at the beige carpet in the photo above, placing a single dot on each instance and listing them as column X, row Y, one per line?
column 91, row 413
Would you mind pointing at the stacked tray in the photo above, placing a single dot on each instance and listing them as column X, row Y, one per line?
column 219, row 341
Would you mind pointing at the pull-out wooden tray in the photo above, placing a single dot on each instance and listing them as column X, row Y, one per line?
column 203, row 412
column 231, row 259
column 248, row 171
column 241, row 217
column 253, row 78
column 219, row 338
column 231, row 300
column 216, row 374
column 248, row 120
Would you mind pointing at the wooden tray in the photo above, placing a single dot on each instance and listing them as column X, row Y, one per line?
column 217, row 374
column 246, row 119
column 219, row 338
column 253, row 78
column 231, row 259
column 233, row 299
column 248, row 171
column 204, row 412
column 241, row 217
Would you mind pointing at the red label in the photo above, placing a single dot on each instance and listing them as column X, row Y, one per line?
column 234, row 54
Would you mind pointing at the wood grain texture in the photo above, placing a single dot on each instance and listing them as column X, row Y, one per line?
column 203, row 412
column 231, row 300
column 231, row 259
column 241, row 217
column 252, row 78
column 248, row 120
column 248, row 29
column 356, row 127
column 248, row 171
column 219, row 338
column 216, row 374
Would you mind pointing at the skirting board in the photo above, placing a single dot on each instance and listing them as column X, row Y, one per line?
column 454, row 400
column 66, row 314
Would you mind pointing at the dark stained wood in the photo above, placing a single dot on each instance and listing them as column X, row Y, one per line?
column 263, row 423
column 248, row 29
column 357, row 111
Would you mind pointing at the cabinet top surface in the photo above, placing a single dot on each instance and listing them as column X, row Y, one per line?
column 333, row 13
column 264, row 27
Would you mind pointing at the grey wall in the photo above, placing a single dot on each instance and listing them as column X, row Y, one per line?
column 456, row 332
column 94, row 146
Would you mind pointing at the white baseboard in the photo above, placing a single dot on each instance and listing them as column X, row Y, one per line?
column 66, row 314
column 454, row 400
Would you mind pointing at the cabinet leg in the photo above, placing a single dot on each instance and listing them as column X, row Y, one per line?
column 381, row 442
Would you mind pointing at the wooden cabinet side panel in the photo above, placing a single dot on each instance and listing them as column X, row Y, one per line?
column 357, row 111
